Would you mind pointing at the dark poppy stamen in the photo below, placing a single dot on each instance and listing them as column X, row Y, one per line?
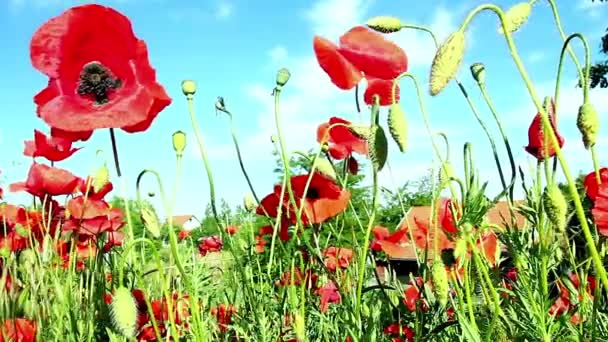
column 312, row 194
column 97, row 82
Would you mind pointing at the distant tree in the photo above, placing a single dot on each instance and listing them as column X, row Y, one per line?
column 599, row 71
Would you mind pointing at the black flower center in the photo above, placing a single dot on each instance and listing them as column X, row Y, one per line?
column 97, row 82
column 312, row 193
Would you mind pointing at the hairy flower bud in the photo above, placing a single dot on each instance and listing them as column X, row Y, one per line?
column 446, row 62
column 283, row 76
column 397, row 126
column 123, row 311
column 516, row 17
column 441, row 287
column 588, row 122
column 384, row 24
column 555, row 206
column 324, row 167
column 249, row 202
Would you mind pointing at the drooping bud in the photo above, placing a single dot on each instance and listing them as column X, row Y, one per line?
column 101, row 178
column 556, row 206
column 588, row 123
column 220, row 104
column 478, row 70
column 446, row 62
column 324, row 167
column 360, row 131
column 441, row 286
column 283, row 76
column 123, row 311
column 516, row 17
column 150, row 221
column 397, row 126
column 378, row 147
column 384, row 24
column 179, row 143
column 249, row 202
column 188, row 88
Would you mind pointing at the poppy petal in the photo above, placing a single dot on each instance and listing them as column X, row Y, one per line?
column 341, row 72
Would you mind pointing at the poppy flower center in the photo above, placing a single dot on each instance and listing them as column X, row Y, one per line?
column 96, row 82
column 312, row 194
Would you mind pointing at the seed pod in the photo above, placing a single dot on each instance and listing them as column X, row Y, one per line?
column 478, row 70
column 555, row 206
column 384, row 24
column 179, row 142
column 324, row 167
column 188, row 87
column 588, row 123
column 516, row 17
column 123, row 311
column 441, row 287
column 378, row 147
column 397, row 126
column 446, row 62
column 283, row 76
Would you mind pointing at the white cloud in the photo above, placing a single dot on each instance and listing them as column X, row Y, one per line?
column 331, row 18
column 536, row 56
column 224, row 10
column 594, row 9
column 278, row 55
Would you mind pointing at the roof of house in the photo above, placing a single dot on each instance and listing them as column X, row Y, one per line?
column 179, row 220
column 498, row 215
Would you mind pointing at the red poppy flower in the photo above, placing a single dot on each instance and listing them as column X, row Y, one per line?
column 399, row 333
column 223, row 314
column 92, row 217
column 73, row 136
column 296, row 279
column 232, row 229
column 565, row 303
column 391, row 244
column 210, row 244
column 412, row 295
column 87, row 188
column 600, row 209
column 362, row 53
column 183, row 234
column 590, row 182
column 43, row 180
column 536, row 138
column 323, row 200
column 18, row 329
column 341, row 140
column 52, row 148
column 337, row 258
column 99, row 73
column 329, row 294
column 446, row 216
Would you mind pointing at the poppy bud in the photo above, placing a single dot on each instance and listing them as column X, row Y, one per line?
column 123, row 311
column 151, row 194
column 179, row 142
column 249, row 202
column 101, row 178
column 273, row 139
column 378, row 147
column 446, row 62
column 324, row 167
column 397, row 125
column 555, row 206
column 385, row 24
column 188, row 88
column 220, row 104
column 516, row 16
column 150, row 221
column 360, row 131
column 588, row 123
column 283, row 76
column 441, row 287
column 478, row 70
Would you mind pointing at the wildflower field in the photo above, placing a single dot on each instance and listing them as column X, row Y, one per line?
column 319, row 256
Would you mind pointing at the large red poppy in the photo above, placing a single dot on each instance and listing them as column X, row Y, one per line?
column 43, row 180
column 18, row 329
column 536, row 137
column 600, row 209
column 99, row 73
column 590, row 183
column 52, row 148
column 342, row 141
column 362, row 53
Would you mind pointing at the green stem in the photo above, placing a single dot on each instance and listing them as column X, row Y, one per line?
column 600, row 270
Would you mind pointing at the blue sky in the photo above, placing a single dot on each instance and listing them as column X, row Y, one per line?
column 233, row 49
